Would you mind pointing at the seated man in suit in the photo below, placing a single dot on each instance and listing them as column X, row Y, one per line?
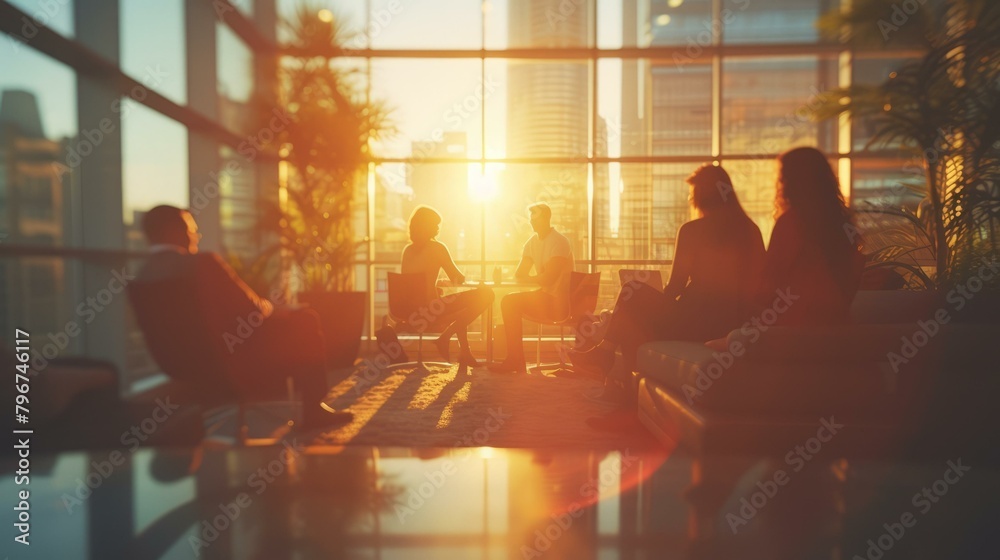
column 286, row 342
column 549, row 253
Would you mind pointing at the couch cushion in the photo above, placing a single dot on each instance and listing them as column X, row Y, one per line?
column 712, row 380
column 816, row 370
column 828, row 344
column 722, row 434
column 883, row 307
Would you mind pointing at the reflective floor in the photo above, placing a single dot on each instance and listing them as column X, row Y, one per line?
column 296, row 502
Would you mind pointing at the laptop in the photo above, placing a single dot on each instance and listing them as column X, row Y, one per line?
column 651, row 277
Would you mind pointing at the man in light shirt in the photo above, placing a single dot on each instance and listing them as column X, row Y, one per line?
column 547, row 260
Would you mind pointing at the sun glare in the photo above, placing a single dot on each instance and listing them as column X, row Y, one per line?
column 484, row 181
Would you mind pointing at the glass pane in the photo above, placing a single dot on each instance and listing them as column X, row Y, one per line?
column 612, row 33
column 871, row 72
column 773, row 21
column 393, row 205
column 235, row 78
column 152, row 45
column 543, row 23
column 495, row 24
column 40, row 95
column 886, row 183
column 432, row 98
column 154, row 165
column 57, row 16
column 680, row 121
column 678, row 22
column 349, row 14
column 238, row 203
column 682, row 110
column 496, row 106
column 766, row 104
column 755, row 181
column 548, row 108
column 39, row 153
column 425, row 24
column 628, row 231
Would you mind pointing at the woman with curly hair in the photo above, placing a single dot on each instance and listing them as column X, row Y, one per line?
column 814, row 252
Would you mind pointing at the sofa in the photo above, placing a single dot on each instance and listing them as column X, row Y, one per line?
column 907, row 363
column 910, row 378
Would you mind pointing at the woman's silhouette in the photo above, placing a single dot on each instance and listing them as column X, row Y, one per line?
column 426, row 255
column 716, row 270
column 814, row 251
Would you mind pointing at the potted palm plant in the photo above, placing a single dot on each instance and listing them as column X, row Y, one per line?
column 940, row 111
column 329, row 125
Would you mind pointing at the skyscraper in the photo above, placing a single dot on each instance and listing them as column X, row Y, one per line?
column 548, row 112
column 32, row 212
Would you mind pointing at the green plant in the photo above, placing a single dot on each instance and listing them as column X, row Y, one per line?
column 942, row 110
column 329, row 126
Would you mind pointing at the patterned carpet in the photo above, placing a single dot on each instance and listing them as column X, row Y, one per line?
column 436, row 408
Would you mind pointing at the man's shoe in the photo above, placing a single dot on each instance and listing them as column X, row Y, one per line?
column 508, row 367
column 466, row 360
column 595, row 359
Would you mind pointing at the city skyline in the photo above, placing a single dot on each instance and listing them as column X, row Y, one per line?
column 648, row 120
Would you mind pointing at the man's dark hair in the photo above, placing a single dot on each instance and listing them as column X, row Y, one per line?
column 545, row 209
column 163, row 222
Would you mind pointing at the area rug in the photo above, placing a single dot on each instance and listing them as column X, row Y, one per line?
column 439, row 406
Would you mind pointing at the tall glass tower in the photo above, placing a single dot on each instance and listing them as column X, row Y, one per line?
column 548, row 112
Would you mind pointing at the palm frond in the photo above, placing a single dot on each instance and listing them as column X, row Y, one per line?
column 944, row 108
column 324, row 143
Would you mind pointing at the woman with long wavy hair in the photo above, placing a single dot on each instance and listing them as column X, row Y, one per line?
column 814, row 252
column 713, row 280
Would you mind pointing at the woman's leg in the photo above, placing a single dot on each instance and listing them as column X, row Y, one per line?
column 464, row 307
column 636, row 312
column 633, row 319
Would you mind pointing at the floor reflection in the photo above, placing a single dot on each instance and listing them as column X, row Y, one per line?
column 303, row 502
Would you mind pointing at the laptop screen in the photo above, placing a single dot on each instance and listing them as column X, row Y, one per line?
column 651, row 277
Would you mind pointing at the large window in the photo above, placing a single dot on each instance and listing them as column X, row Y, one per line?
column 39, row 154
column 607, row 137
column 152, row 45
column 154, row 165
column 86, row 150
column 602, row 108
